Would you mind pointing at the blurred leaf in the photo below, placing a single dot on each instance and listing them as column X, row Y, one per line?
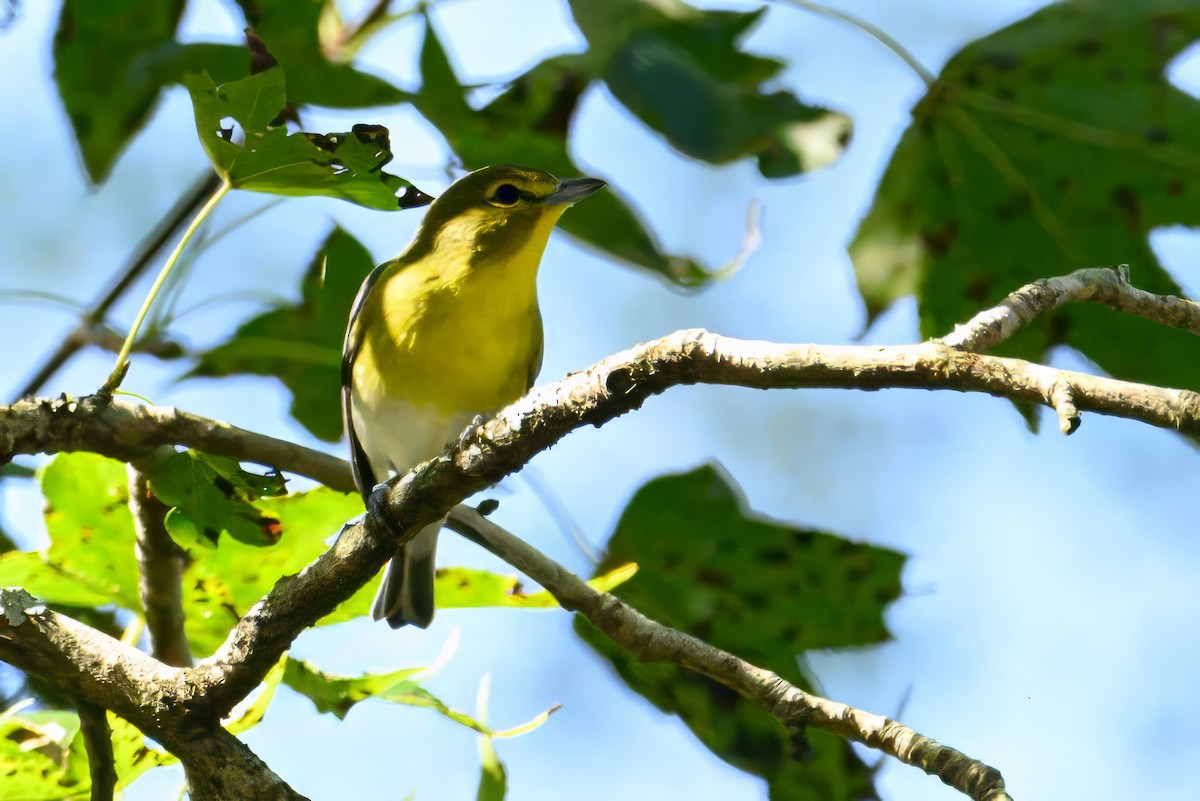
column 529, row 124
column 90, row 559
column 131, row 756
column 37, row 759
column 493, row 778
column 538, row 600
column 468, row 588
column 1055, row 143
column 337, row 694
column 213, row 494
column 301, row 344
column 759, row 589
column 247, row 715
column 107, row 93
column 15, row 470
column 42, row 755
column 46, row 580
column 269, row 159
column 290, row 30
column 221, row 585
column 682, row 72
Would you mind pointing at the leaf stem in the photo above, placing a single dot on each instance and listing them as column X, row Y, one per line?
column 119, row 370
column 878, row 34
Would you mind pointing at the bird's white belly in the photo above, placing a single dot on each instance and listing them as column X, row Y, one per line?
column 397, row 435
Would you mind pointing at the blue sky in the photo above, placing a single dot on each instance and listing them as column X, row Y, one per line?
column 1047, row 623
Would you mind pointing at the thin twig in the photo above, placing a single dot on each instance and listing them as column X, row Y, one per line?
column 875, row 32
column 122, row 366
column 139, row 261
column 1107, row 285
column 649, row 641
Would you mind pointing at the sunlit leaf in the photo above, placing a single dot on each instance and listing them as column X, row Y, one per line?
column 221, row 585
column 237, row 124
column 90, row 559
column 213, row 494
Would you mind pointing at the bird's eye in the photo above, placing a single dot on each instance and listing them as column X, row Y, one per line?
column 506, row 195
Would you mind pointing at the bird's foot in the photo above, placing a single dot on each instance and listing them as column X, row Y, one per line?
column 377, row 505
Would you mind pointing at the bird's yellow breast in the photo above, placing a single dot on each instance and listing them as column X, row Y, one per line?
column 462, row 331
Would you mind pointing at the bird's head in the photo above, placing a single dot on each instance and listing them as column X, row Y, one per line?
column 501, row 209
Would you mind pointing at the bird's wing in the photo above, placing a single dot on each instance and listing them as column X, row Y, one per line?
column 535, row 365
column 364, row 477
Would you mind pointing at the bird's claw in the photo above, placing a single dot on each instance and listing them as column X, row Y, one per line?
column 377, row 505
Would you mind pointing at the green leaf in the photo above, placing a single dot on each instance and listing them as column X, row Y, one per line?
column 763, row 590
column 529, row 124
column 301, row 344
column 90, row 559
column 493, row 777
column 247, row 715
column 37, row 758
column 219, row 586
column 99, row 49
column 467, row 588
column 131, row 755
column 1055, row 143
column 42, row 755
column 682, row 72
column 269, row 159
column 338, row 694
column 291, row 31
column 213, row 494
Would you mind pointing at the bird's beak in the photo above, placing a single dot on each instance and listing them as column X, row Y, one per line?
column 570, row 192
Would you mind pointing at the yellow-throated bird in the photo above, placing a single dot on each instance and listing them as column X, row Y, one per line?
column 448, row 330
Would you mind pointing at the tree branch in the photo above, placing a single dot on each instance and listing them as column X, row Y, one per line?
column 131, row 432
column 1107, row 285
column 144, row 691
column 160, row 571
column 97, row 741
column 104, row 673
column 141, row 259
column 650, row 641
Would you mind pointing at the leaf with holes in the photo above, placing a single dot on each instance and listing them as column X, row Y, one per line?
column 247, row 144
column 763, row 590
column 1055, row 143
column 213, row 494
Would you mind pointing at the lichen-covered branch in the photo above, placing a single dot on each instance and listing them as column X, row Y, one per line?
column 130, row 432
column 1107, row 285
column 104, row 673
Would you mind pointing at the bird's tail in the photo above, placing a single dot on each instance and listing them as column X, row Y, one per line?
column 406, row 595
